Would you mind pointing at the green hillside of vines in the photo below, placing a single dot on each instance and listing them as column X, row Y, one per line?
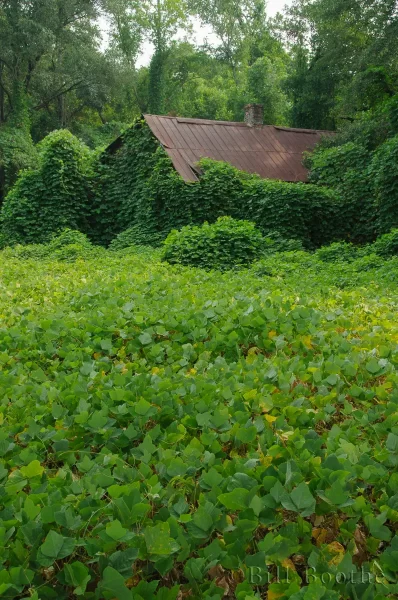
column 168, row 433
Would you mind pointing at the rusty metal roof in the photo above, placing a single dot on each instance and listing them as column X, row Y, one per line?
column 271, row 152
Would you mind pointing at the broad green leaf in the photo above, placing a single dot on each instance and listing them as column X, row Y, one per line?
column 56, row 546
column 235, row 500
column 33, row 469
column 115, row 530
column 158, row 540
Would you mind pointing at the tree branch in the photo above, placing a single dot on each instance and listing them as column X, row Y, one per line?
column 58, row 93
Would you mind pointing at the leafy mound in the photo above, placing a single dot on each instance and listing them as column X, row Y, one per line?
column 170, row 433
column 69, row 245
column 339, row 251
column 55, row 195
column 387, row 244
column 275, row 242
column 223, row 245
column 135, row 237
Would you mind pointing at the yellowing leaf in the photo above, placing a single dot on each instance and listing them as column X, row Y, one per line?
column 336, row 548
column 272, row 334
column 320, row 535
column 288, row 564
column 270, row 418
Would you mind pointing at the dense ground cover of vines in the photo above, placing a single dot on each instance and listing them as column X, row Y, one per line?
column 171, row 433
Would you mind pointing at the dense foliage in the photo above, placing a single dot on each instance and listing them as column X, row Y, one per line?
column 55, row 195
column 223, row 245
column 139, row 187
column 167, row 432
column 360, row 164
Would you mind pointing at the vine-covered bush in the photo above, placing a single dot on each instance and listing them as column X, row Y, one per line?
column 135, row 236
column 17, row 152
column 68, row 246
column 224, row 245
column 55, row 195
column 274, row 243
column 387, row 245
column 337, row 252
column 361, row 164
column 346, row 169
column 121, row 177
column 69, row 237
column 384, row 170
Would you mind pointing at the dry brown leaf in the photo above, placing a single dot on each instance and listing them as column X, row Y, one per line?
column 320, row 535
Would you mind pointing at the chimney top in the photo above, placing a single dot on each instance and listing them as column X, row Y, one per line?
column 254, row 115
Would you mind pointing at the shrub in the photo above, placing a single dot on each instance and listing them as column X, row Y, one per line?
column 71, row 252
column 224, row 245
column 135, row 236
column 367, row 262
column 69, row 237
column 283, row 263
column 387, row 244
column 68, row 246
column 274, row 243
column 17, row 152
column 55, row 195
column 338, row 252
column 384, row 170
column 346, row 169
column 29, row 252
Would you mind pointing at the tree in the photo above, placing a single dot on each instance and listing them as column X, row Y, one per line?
column 236, row 24
column 343, row 51
column 50, row 53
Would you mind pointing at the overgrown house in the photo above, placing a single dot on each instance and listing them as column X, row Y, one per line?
column 270, row 151
column 166, row 172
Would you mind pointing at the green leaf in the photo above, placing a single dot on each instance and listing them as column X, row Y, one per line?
column 33, row 469
column 145, row 339
column 77, row 576
column 56, row 546
column 235, row 500
column 246, row 435
column 113, row 585
column 158, row 540
column 392, row 442
column 300, row 500
column 115, row 530
column 373, row 366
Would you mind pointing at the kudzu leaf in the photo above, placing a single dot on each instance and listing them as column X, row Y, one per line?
column 235, row 500
column 33, row 469
column 56, row 546
column 158, row 540
column 115, row 530
column 113, row 585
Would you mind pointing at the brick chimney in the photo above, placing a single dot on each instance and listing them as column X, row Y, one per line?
column 254, row 115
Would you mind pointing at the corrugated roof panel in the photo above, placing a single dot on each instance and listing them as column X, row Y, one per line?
column 271, row 152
